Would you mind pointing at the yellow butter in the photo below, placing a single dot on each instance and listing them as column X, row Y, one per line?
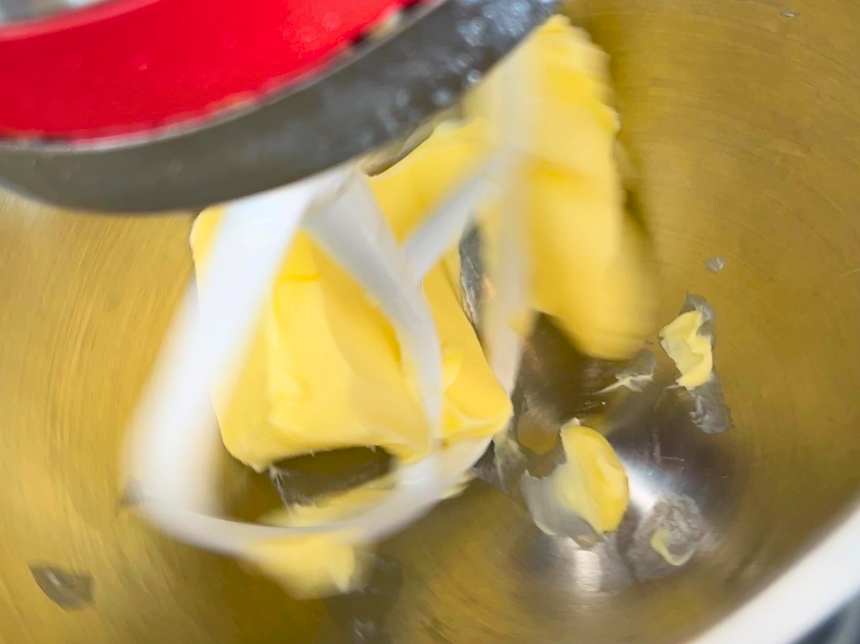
column 591, row 267
column 324, row 369
column 660, row 542
column 592, row 483
column 317, row 565
column 689, row 349
column 311, row 566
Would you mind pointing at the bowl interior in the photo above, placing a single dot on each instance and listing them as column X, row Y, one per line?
column 743, row 119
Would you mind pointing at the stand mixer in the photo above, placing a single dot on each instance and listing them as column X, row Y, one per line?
column 96, row 175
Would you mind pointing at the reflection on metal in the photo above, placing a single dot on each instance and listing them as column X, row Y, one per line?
column 667, row 537
column 710, row 411
column 848, row 629
column 361, row 615
column 471, row 273
column 655, row 437
column 72, row 591
column 301, row 479
column 636, row 374
column 16, row 10
column 707, row 403
column 715, row 264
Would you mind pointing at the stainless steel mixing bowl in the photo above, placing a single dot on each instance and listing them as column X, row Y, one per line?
column 743, row 118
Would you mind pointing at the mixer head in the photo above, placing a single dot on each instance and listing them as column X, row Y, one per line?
column 229, row 99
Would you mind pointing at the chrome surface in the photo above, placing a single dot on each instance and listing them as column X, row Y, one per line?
column 18, row 10
column 744, row 123
column 378, row 93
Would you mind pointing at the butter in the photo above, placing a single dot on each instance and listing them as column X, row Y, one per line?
column 321, row 564
column 311, row 566
column 660, row 542
column 671, row 532
column 593, row 483
column 591, row 267
column 689, row 341
column 689, row 349
column 324, row 371
column 586, row 496
column 324, row 368
column 329, row 563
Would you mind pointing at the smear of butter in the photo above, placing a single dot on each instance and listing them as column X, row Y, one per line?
column 690, row 350
column 670, row 533
column 636, row 375
column 311, row 566
column 317, row 565
column 592, row 483
column 323, row 564
column 689, row 340
column 660, row 542
column 591, row 486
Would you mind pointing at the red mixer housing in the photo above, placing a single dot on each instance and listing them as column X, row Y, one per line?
column 136, row 65
column 149, row 105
